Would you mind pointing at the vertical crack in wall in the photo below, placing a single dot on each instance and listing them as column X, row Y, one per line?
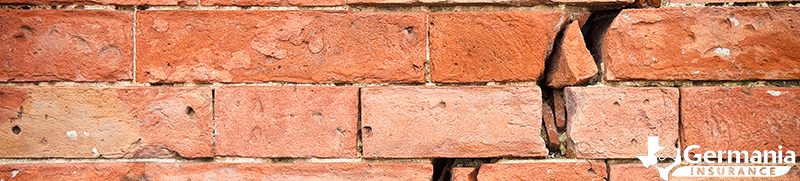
column 441, row 169
column 359, row 144
column 594, row 32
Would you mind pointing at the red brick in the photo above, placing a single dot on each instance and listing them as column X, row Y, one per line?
column 409, row 2
column 287, row 121
column 633, row 172
column 559, row 109
column 72, row 171
column 578, row 170
column 724, row 1
column 273, row 2
column 464, row 174
column 550, row 127
column 117, row 122
column 491, row 46
column 56, row 45
column 596, row 3
column 581, row 17
column 614, row 122
column 91, row 2
column 286, row 46
column 738, row 118
column 403, row 122
column 307, row 171
column 703, row 43
column 571, row 62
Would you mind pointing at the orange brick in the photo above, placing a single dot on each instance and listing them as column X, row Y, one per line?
column 287, row 121
column 109, row 122
column 740, row 118
column 491, row 46
column 579, row 170
column 414, row 122
column 703, row 43
column 285, row 46
column 75, row 45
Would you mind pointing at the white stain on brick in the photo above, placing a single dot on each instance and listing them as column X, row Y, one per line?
column 723, row 51
column 733, row 20
column 14, row 173
column 774, row 93
column 94, row 151
column 72, row 135
column 86, row 134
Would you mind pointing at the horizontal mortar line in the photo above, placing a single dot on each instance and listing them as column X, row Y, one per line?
column 489, row 7
column 549, row 160
column 218, row 159
column 643, row 83
column 351, row 8
column 132, row 84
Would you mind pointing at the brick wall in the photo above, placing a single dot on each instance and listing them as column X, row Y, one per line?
column 389, row 89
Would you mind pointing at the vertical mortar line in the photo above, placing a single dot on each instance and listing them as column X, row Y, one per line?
column 214, row 132
column 359, row 144
column 427, row 46
column 608, row 170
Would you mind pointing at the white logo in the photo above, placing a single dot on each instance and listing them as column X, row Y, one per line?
column 766, row 162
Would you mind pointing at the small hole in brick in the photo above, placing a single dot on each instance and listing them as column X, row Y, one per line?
column 646, row 102
column 190, row 111
column 591, row 171
column 634, row 142
column 616, row 104
column 16, row 129
column 410, row 30
column 367, row 131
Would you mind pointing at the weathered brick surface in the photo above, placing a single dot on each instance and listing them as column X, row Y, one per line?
column 739, row 118
column 91, row 2
column 595, row 2
column 508, row 2
column 491, row 46
column 273, row 2
column 286, row 121
column 724, row 1
column 614, row 122
column 72, row 171
column 291, row 46
column 308, row 171
column 216, row 171
column 559, row 109
column 452, row 122
column 86, row 122
column 550, row 126
column 464, row 174
column 56, row 45
column 703, row 43
column 633, row 172
column 579, row 170
column 571, row 62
